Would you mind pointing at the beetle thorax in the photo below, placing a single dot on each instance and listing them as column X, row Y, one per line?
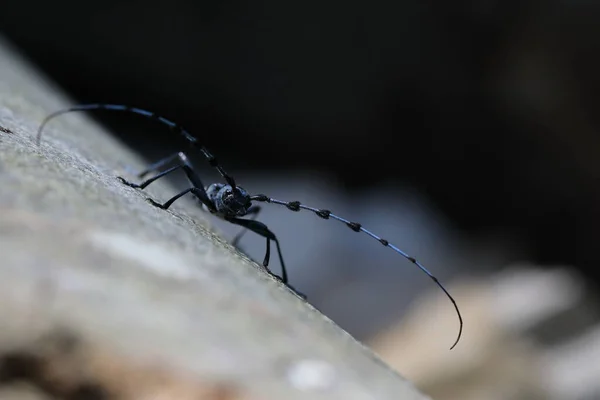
column 229, row 202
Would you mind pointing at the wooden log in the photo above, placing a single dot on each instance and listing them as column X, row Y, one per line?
column 103, row 296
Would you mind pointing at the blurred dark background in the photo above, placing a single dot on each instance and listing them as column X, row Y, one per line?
column 475, row 122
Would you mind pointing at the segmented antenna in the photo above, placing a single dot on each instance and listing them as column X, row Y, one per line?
column 212, row 160
column 257, row 227
column 356, row 227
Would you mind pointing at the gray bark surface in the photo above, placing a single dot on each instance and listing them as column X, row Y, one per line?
column 104, row 296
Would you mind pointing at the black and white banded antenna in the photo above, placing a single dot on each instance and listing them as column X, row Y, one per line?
column 356, row 227
column 212, row 160
column 231, row 202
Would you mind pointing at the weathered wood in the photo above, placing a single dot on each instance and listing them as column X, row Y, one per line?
column 105, row 296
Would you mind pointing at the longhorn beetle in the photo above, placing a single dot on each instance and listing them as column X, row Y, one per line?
column 230, row 201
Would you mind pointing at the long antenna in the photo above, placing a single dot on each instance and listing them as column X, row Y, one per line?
column 212, row 160
column 356, row 227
